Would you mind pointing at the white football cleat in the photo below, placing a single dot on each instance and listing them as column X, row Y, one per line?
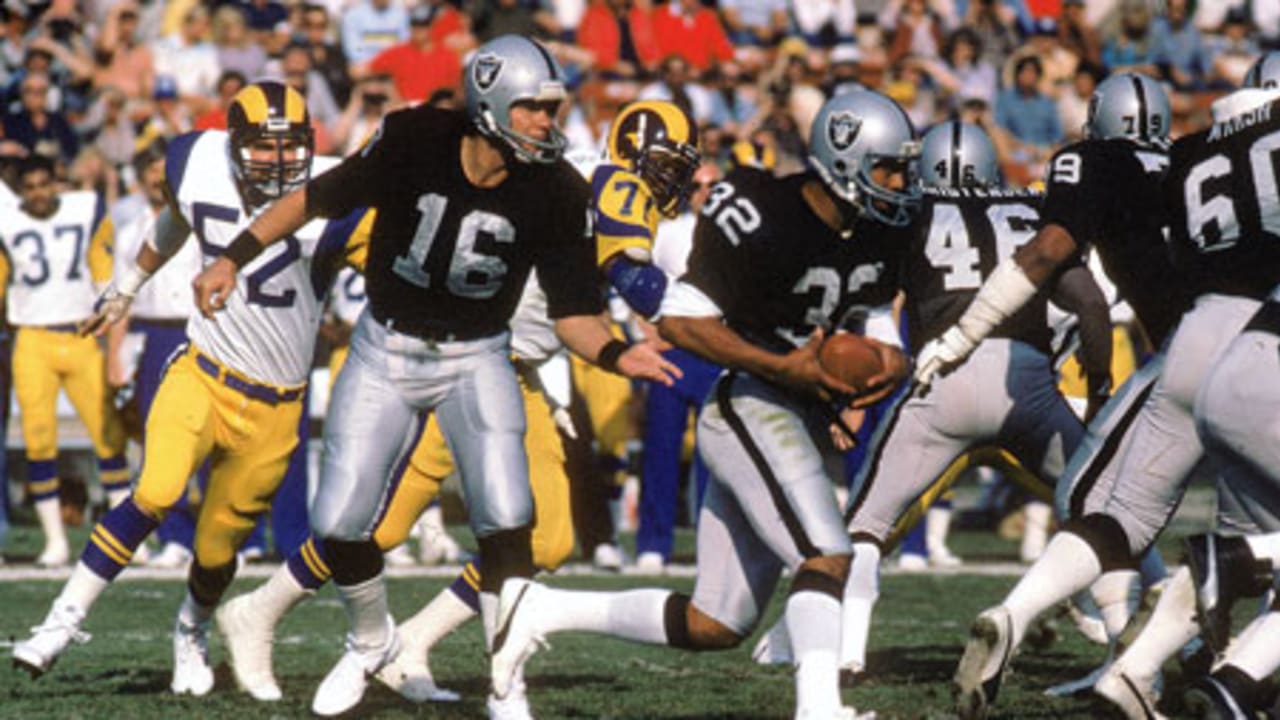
column 345, row 684
column 981, row 669
column 172, row 556
column 249, row 638
column 608, row 556
column 842, row 712
column 48, row 640
column 515, row 706
column 774, row 647
column 912, row 562
column 399, row 556
column 517, row 638
column 191, row 672
column 55, row 554
column 412, row 680
column 650, row 563
column 1135, row 696
column 942, row 557
column 435, row 545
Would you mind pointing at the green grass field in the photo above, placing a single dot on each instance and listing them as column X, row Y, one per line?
column 918, row 634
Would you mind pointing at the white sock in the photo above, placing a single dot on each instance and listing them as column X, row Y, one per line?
column 860, row 593
column 937, row 523
column 49, row 510
column 445, row 613
column 1035, row 529
column 1112, row 593
column 1067, row 566
column 366, row 606
column 1256, row 651
column 636, row 615
column 83, row 588
column 810, row 617
column 489, row 616
column 192, row 613
column 1172, row 624
column 117, row 496
column 277, row 596
column 1265, row 547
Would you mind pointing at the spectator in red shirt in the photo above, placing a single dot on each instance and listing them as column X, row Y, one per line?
column 692, row 31
column 420, row 66
column 229, row 83
column 619, row 33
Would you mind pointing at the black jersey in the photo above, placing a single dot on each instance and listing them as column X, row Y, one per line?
column 447, row 257
column 959, row 237
column 1222, row 191
column 1107, row 194
column 776, row 270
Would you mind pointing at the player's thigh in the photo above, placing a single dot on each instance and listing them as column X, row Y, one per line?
column 242, row 482
column 907, row 456
column 369, row 431
column 86, row 385
column 736, row 571
column 1248, row 500
column 552, row 517
column 1238, row 408
column 483, row 419
column 761, row 445
column 35, row 383
column 414, row 486
column 179, row 435
column 1091, row 470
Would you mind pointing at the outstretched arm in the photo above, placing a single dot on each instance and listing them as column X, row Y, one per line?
column 171, row 231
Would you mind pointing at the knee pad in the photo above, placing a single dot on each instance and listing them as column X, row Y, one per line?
column 505, row 554
column 353, row 562
column 675, row 620
column 207, row 584
column 1107, row 538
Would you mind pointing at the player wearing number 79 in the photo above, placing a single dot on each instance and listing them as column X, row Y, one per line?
column 468, row 203
column 235, row 394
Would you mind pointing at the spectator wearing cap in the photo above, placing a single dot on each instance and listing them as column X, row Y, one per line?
column 236, row 49
column 37, row 128
column 1180, row 50
column 190, row 59
column 1077, row 35
column 1132, row 47
column 215, row 118
column 758, row 23
column 122, row 61
column 1029, row 115
column 372, row 26
column 619, row 36
column 692, row 31
column 315, row 29
column 1233, row 51
column 824, row 23
column 169, row 117
column 419, row 66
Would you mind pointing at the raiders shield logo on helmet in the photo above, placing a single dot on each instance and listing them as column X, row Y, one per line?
column 842, row 130
column 487, row 69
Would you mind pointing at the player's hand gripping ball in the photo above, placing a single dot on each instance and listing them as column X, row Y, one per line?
column 851, row 358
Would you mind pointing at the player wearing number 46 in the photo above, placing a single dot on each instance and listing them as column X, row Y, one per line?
column 468, row 203
column 235, row 393
column 52, row 262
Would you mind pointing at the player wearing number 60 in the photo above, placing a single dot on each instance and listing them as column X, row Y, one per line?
column 468, row 203
column 235, row 393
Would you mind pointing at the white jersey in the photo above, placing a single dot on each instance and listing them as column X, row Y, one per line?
column 347, row 298
column 533, row 333
column 672, row 244
column 167, row 294
column 50, row 282
column 267, row 330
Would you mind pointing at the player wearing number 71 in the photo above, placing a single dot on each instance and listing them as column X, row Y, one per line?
column 236, row 392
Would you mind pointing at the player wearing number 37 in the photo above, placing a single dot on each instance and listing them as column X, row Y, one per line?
column 468, row 202
column 235, row 394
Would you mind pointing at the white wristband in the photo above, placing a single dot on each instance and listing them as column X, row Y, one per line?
column 131, row 280
column 1002, row 295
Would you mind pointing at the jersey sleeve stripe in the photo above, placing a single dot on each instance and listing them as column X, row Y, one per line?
column 175, row 165
column 611, row 227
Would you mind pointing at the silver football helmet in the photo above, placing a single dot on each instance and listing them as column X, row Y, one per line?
column 1265, row 73
column 1129, row 105
column 508, row 70
column 855, row 133
column 956, row 155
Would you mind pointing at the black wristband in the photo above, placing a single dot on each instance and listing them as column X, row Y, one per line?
column 244, row 249
column 608, row 356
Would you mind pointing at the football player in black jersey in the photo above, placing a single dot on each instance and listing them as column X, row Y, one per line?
column 1004, row 394
column 776, row 264
column 467, row 204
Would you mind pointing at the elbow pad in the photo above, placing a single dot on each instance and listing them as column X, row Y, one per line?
column 641, row 285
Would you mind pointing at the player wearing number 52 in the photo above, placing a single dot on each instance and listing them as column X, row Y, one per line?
column 51, row 264
column 468, row 203
column 236, row 393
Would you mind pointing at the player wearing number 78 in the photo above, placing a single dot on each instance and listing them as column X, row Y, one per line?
column 468, row 203
column 235, row 394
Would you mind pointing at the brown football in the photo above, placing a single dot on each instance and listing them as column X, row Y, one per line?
column 852, row 358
